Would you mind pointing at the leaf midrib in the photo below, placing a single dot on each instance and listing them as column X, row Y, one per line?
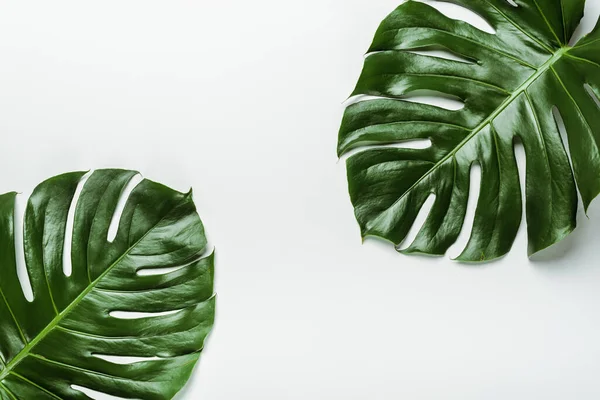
column 54, row 323
column 522, row 88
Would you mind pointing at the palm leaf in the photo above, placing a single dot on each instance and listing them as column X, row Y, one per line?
column 512, row 81
column 60, row 341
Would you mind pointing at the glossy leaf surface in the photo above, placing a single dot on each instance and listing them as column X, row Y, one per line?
column 510, row 82
column 64, row 337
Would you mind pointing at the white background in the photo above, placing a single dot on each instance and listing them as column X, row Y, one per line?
column 242, row 101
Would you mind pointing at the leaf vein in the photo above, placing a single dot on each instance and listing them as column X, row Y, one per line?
column 459, row 78
column 484, row 123
column 538, row 126
column 36, row 385
column 513, row 23
column 582, row 59
column 502, row 53
column 13, row 316
column 10, row 393
column 589, row 128
column 25, row 351
column 548, row 22
column 81, row 369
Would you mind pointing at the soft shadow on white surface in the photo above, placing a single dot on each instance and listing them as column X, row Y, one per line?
column 585, row 236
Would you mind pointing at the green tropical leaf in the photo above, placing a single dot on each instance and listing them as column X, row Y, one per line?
column 156, row 266
column 509, row 82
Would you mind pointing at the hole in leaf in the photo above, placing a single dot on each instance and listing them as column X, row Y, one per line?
column 116, row 218
column 415, row 144
column 560, row 125
column 592, row 94
column 445, row 54
column 418, row 223
column 521, row 158
column 67, row 265
column 362, row 97
column 428, row 97
column 167, row 270
column 460, row 13
column 159, row 271
column 94, row 394
column 19, row 218
column 465, row 233
column 123, row 360
column 435, row 98
column 582, row 28
column 138, row 315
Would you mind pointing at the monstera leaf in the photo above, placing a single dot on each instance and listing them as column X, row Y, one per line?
column 510, row 82
column 62, row 340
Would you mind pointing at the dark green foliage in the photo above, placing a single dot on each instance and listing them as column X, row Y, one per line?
column 509, row 89
column 50, row 344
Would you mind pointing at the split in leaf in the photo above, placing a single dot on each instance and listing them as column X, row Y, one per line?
column 118, row 300
column 510, row 82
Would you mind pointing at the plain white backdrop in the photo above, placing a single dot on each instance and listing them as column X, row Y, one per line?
column 242, row 100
